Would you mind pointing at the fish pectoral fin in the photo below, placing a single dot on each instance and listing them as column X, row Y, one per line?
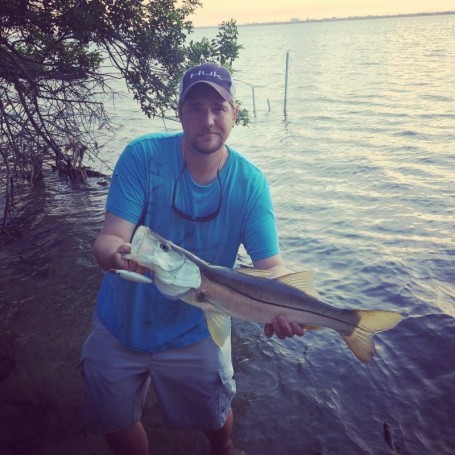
column 219, row 326
column 300, row 280
column 258, row 273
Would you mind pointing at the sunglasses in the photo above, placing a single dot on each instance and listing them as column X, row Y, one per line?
column 199, row 219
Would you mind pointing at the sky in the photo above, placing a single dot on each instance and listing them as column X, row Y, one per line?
column 213, row 12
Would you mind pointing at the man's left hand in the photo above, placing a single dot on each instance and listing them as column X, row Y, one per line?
column 282, row 328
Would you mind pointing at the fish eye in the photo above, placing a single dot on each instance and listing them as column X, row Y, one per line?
column 164, row 247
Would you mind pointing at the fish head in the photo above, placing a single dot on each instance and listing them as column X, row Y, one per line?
column 154, row 252
column 174, row 273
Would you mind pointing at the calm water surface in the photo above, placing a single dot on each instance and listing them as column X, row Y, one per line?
column 361, row 169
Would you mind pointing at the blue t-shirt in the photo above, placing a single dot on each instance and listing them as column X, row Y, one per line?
column 141, row 192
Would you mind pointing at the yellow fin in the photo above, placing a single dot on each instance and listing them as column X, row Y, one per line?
column 360, row 341
column 219, row 326
column 300, row 280
column 378, row 320
column 259, row 273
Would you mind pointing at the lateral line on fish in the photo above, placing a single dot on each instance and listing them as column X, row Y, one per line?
column 315, row 313
column 205, row 267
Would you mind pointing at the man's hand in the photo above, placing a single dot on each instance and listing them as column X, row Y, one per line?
column 282, row 328
column 128, row 264
column 280, row 325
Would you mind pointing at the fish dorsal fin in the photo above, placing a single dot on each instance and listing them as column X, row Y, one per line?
column 300, row 280
column 259, row 273
column 219, row 326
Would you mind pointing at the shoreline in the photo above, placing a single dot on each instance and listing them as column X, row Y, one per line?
column 338, row 19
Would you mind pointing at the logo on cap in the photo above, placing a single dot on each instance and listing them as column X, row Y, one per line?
column 212, row 74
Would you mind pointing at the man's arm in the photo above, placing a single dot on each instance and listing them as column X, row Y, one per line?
column 280, row 325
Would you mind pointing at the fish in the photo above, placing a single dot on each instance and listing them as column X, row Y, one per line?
column 252, row 295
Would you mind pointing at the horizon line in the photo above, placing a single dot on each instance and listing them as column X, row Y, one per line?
column 334, row 19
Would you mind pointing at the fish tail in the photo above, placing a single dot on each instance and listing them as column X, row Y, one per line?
column 360, row 341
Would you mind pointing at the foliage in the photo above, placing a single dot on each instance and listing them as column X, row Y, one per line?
column 58, row 59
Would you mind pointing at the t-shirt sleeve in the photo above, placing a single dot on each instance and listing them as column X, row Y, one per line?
column 260, row 229
column 128, row 189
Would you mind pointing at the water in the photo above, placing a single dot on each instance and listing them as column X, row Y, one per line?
column 361, row 169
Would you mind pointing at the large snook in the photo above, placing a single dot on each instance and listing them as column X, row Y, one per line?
column 250, row 295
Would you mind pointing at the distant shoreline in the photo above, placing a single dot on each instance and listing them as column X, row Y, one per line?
column 350, row 18
column 338, row 19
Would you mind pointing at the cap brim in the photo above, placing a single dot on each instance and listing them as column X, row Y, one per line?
column 221, row 90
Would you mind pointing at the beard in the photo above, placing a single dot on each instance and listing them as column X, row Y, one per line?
column 207, row 142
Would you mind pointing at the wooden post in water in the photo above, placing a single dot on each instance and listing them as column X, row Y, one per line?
column 252, row 93
column 286, row 83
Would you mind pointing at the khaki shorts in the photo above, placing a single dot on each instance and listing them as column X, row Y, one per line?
column 194, row 384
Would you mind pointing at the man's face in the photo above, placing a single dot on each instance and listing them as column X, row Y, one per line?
column 207, row 119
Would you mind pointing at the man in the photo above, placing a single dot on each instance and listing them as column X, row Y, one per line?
column 199, row 193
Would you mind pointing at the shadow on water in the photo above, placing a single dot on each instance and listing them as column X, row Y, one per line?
column 48, row 284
